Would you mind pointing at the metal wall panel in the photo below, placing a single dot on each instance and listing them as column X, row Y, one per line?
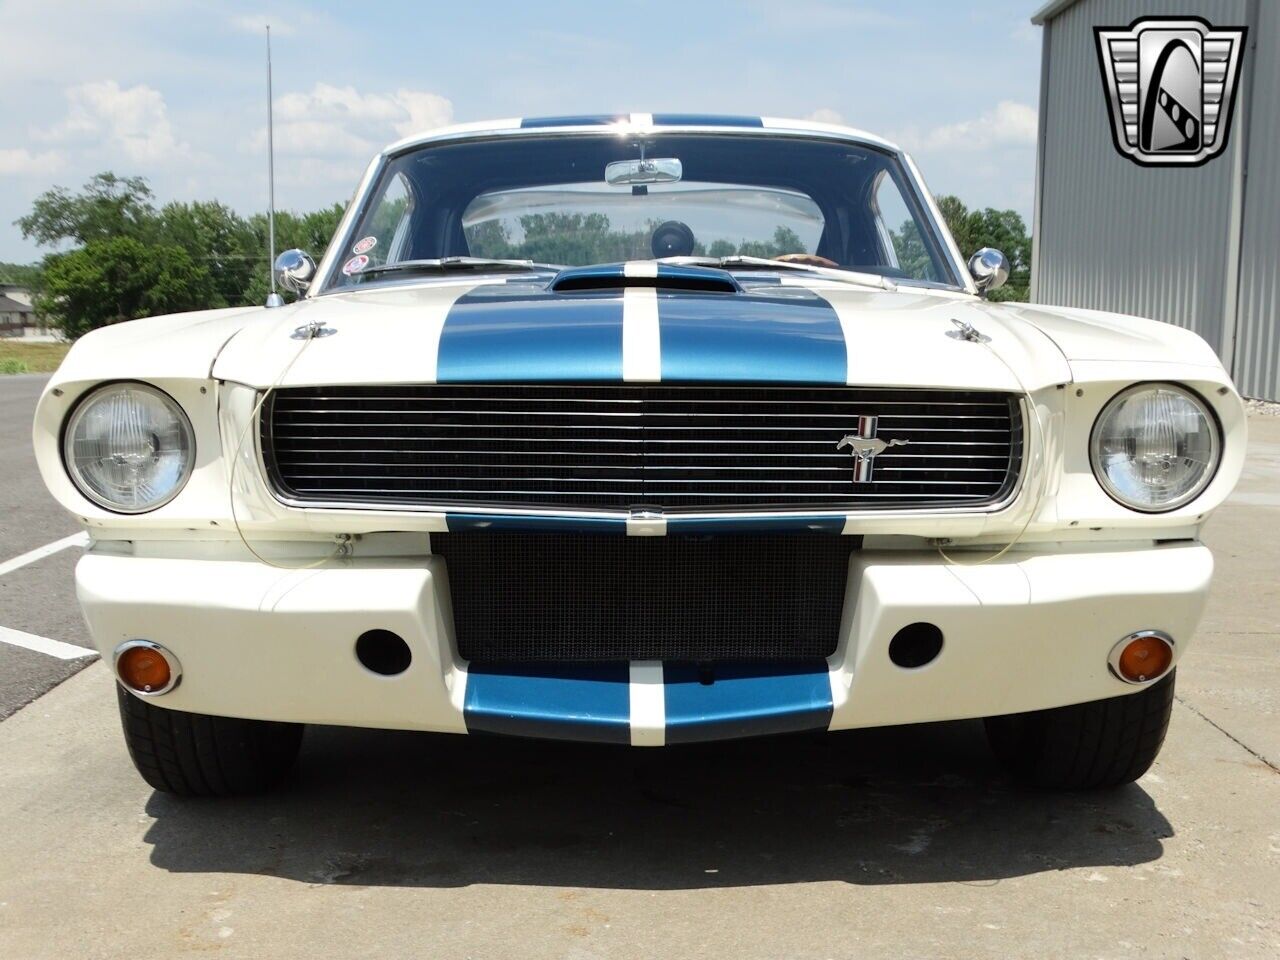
column 1113, row 235
column 1256, row 359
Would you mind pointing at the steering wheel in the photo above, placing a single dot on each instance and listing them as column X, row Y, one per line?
column 672, row 239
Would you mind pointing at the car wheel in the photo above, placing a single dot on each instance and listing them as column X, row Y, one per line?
column 1085, row 746
column 194, row 755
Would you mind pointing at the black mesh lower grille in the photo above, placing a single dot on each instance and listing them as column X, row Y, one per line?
column 523, row 597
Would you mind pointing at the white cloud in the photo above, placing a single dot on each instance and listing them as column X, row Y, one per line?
column 22, row 162
column 1008, row 123
column 825, row 115
column 331, row 121
column 134, row 120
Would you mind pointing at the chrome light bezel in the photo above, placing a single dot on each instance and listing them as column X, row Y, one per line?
column 1215, row 447
column 175, row 668
column 78, row 411
column 1113, row 658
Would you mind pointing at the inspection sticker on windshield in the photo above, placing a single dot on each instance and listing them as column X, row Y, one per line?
column 365, row 245
column 355, row 264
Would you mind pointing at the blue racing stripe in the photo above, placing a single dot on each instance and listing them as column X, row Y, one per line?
column 817, row 523
column 581, row 120
column 458, row 522
column 704, row 120
column 745, row 700
column 760, row 337
column 494, row 335
column 559, row 701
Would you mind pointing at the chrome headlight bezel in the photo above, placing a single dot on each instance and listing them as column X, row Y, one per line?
column 85, row 404
column 1202, row 483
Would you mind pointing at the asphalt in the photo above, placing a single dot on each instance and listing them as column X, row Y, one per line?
column 38, row 598
column 898, row 843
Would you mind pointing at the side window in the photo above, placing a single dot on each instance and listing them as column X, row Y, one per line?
column 903, row 248
column 388, row 224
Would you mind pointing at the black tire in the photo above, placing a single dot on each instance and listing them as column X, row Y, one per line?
column 1105, row 743
column 194, row 755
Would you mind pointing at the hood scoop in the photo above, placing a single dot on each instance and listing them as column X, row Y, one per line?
column 645, row 273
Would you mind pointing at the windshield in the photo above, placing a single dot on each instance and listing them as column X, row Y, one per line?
column 592, row 198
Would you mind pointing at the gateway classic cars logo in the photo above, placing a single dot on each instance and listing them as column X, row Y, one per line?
column 1171, row 84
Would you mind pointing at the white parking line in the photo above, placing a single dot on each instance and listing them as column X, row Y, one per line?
column 39, row 553
column 54, row 648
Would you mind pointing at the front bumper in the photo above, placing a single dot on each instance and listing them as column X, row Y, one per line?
column 1026, row 632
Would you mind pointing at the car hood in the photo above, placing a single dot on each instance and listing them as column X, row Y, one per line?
column 499, row 330
column 505, row 331
column 1096, row 335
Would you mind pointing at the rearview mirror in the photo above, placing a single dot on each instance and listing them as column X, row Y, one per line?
column 659, row 170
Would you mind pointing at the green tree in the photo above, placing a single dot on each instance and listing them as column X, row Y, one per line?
column 311, row 232
column 1003, row 229
column 22, row 274
column 785, row 240
column 220, row 240
column 183, row 256
column 107, row 206
column 120, row 278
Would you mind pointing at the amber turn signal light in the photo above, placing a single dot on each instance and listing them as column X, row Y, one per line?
column 147, row 668
column 1142, row 657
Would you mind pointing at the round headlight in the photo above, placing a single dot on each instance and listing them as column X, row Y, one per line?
column 1155, row 447
column 128, row 447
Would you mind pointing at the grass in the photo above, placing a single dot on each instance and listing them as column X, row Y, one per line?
column 19, row 357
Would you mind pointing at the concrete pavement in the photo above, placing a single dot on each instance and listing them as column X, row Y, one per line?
column 898, row 843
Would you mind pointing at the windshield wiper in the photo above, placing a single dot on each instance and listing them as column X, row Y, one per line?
column 459, row 264
column 761, row 263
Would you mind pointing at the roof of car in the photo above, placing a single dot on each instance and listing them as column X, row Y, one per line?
column 640, row 121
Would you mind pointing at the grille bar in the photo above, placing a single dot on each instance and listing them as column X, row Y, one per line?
column 674, row 447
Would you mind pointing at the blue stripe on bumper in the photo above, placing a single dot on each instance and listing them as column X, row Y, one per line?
column 559, row 701
column 817, row 523
column 746, row 700
column 458, row 522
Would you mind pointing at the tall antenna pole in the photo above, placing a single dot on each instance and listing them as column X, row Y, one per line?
column 273, row 299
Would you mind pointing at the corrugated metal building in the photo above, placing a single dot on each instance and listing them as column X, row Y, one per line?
column 1196, row 246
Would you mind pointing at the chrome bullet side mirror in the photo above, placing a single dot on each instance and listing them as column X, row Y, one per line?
column 294, row 270
column 989, row 269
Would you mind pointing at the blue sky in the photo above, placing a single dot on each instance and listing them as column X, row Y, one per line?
column 175, row 91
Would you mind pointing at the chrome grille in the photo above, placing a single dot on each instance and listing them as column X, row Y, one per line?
column 621, row 446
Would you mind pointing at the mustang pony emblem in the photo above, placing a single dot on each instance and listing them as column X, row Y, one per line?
column 865, row 446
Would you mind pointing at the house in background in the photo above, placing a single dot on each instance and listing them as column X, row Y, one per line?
column 14, row 315
column 18, row 317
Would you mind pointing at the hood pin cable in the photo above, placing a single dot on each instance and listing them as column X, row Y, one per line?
column 967, row 332
column 305, row 333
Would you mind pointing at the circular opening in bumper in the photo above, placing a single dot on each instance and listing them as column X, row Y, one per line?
column 915, row 645
column 383, row 652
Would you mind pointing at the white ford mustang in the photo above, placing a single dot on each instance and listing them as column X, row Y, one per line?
column 646, row 429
